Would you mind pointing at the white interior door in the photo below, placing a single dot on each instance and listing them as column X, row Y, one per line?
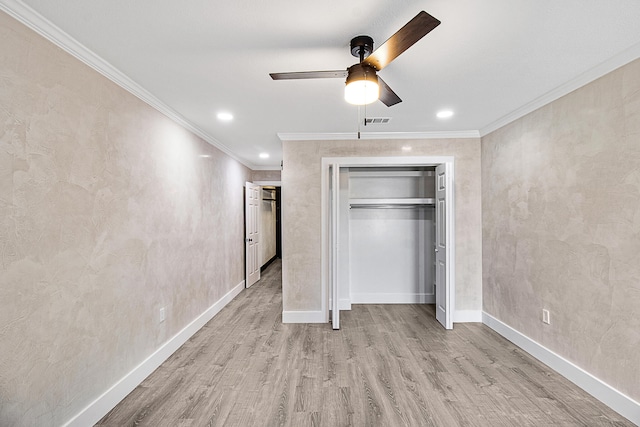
column 443, row 297
column 252, row 233
column 334, row 190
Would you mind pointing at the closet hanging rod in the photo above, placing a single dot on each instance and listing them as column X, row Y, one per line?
column 392, row 206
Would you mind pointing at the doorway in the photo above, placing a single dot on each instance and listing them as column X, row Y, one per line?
column 270, row 219
column 336, row 207
column 263, row 227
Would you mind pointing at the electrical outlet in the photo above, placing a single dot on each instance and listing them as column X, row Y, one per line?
column 162, row 314
column 546, row 317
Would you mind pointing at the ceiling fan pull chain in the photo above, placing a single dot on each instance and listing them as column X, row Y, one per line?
column 358, row 122
column 364, row 119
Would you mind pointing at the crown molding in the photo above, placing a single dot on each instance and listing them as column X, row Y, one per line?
column 587, row 77
column 41, row 25
column 378, row 135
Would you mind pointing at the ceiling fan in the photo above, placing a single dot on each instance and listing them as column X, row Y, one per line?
column 363, row 86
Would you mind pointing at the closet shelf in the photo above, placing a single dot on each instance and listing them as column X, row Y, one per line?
column 394, row 201
column 391, row 203
column 389, row 174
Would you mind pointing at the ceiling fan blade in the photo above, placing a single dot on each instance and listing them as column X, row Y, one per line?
column 387, row 96
column 309, row 75
column 402, row 40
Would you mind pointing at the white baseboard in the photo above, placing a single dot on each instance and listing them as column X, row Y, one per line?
column 608, row 395
column 467, row 316
column 110, row 398
column 304, row 317
column 390, row 298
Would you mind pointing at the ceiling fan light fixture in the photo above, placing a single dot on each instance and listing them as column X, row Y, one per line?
column 362, row 85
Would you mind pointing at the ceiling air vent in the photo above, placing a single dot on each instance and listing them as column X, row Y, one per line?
column 376, row 120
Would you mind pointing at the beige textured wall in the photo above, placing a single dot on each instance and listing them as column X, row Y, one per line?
column 265, row 175
column 301, row 213
column 561, row 226
column 108, row 213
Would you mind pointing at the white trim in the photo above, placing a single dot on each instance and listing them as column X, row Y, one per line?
column 608, row 395
column 324, row 243
column 583, row 79
column 459, row 134
column 451, row 242
column 344, row 304
column 334, row 246
column 386, row 161
column 392, row 298
column 64, row 41
column 467, row 316
column 303, row 317
column 110, row 398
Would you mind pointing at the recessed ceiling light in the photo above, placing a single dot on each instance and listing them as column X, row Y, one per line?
column 225, row 117
column 264, row 155
column 205, row 156
column 406, row 148
column 444, row 114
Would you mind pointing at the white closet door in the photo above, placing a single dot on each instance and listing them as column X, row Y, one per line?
column 443, row 298
column 334, row 190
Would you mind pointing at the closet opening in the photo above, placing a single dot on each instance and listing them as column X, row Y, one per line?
column 270, row 219
column 389, row 230
column 388, row 233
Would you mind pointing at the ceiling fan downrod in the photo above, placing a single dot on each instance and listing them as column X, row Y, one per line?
column 361, row 47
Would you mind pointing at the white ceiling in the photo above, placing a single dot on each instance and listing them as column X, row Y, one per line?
column 486, row 61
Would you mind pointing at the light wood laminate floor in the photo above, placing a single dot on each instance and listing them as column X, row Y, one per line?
column 389, row 365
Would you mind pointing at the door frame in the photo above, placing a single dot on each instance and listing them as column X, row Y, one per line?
column 345, row 162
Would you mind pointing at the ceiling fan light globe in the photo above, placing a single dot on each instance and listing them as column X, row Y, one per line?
column 361, row 92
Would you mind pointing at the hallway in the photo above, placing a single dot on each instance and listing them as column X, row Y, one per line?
column 389, row 365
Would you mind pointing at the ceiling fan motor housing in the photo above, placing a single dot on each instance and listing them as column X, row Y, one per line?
column 361, row 72
column 362, row 85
